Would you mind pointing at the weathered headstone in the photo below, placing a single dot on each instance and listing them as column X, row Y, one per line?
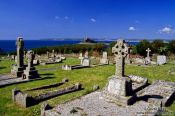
column 30, row 72
column 18, row 69
column 85, row 62
column 104, row 59
column 161, row 59
column 119, row 87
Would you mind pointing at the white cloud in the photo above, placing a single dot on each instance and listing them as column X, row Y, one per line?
column 131, row 29
column 167, row 30
column 93, row 20
column 57, row 17
column 66, row 17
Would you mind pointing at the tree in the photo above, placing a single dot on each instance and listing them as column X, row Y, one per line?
column 171, row 46
column 156, row 45
column 142, row 46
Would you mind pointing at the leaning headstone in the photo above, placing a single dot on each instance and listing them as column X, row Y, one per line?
column 30, row 72
column 104, row 59
column 19, row 67
column 161, row 59
column 119, row 87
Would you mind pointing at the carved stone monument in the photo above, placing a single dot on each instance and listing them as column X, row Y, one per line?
column 30, row 72
column 119, row 87
column 104, row 59
column 19, row 67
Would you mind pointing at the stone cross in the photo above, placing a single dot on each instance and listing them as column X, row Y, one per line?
column 148, row 51
column 120, row 51
column 86, row 55
column 30, row 57
column 20, row 45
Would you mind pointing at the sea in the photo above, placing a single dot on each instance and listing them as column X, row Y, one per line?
column 9, row 45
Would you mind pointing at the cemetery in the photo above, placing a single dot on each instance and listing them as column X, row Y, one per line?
column 102, row 88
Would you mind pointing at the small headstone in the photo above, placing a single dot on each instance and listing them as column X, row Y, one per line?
column 85, row 62
column 161, row 59
column 104, row 59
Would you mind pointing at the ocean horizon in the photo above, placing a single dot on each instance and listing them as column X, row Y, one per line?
column 9, row 45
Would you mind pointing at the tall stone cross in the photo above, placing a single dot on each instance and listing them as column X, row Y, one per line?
column 148, row 51
column 120, row 51
column 20, row 45
column 30, row 58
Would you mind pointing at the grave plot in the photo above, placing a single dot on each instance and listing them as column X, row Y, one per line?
column 52, row 58
column 25, row 75
column 24, row 99
column 159, row 92
column 85, row 63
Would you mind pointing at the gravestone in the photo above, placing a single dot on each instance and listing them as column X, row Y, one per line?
column 148, row 59
column 19, row 67
column 119, row 87
column 85, row 62
column 86, row 55
column 104, row 59
column 47, row 54
column 80, row 56
column 161, row 59
column 30, row 72
column 53, row 54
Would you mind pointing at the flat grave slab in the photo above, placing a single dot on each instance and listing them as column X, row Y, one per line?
column 161, row 92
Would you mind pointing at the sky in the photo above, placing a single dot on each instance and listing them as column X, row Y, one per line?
column 106, row 19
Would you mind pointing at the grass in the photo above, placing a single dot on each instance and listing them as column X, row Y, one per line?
column 87, row 76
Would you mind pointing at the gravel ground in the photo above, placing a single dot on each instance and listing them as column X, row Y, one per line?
column 94, row 105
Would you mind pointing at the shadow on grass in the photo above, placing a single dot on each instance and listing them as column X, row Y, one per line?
column 2, row 67
column 47, row 74
column 12, row 83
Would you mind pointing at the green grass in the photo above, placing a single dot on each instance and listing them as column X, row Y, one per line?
column 87, row 76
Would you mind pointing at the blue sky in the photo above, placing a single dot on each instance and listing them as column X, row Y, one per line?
column 130, row 19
